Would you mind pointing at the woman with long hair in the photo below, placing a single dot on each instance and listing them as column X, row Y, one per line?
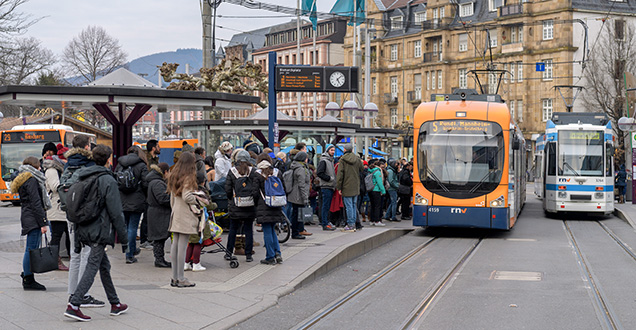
column 267, row 215
column 182, row 184
column 241, row 193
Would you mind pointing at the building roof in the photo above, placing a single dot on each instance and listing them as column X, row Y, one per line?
column 122, row 77
column 615, row 6
column 255, row 37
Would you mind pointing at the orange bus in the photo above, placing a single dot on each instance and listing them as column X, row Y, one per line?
column 470, row 168
column 28, row 140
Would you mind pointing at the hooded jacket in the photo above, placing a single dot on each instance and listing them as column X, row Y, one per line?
column 264, row 213
column 111, row 219
column 158, row 205
column 32, row 214
column 78, row 157
column 53, row 169
column 136, row 200
column 302, row 179
column 392, row 178
column 241, row 213
column 378, row 181
column 222, row 165
column 326, row 172
column 348, row 177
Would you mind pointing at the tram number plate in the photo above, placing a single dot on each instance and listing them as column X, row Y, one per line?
column 433, row 209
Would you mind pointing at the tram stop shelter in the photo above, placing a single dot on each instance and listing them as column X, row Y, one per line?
column 327, row 129
column 121, row 106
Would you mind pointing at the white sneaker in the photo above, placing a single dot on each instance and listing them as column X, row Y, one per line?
column 187, row 266
column 379, row 224
column 372, row 223
column 198, row 268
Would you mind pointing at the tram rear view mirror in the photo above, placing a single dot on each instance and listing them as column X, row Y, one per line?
column 515, row 144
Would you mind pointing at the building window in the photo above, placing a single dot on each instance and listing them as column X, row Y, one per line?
column 463, row 81
column 492, row 83
column 512, row 72
column 520, row 110
column 491, row 5
column 619, row 27
column 546, row 109
column 428, row 80
column 417, row 49
column 463, row 42
column 394, row 117
column 520, row 33
column 511, row 105
column 442, row 12
column 505, row 74
column 374, row 86
column 394, row 87
column 433, row 84
column 548, row 29
column 394, row 52
column 547, row 74
column 420, row 17
column 439, row 79
column 493, row 38
column 417, row 86
column 519, row 71
column 396, row 23
column 466, row 9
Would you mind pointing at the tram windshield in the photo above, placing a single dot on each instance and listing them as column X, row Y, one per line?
column 460, row 158
column 581, row 153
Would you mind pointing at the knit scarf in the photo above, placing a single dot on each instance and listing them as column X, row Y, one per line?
column 46, row 201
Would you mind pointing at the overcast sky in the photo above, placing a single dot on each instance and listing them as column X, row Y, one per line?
column 145, row 27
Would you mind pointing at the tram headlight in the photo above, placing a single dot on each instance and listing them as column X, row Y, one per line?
column 499, row 202
column 598, row 195
column 562, row 194
column 420, row 200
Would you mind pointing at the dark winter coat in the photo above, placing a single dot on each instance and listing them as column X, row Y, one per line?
column 348, row 177
column 264, row 213
column 239, row 213
column 32, row 213
column 136, row 200
column 78, row 157
column 406, row 182
column 621, row 177
column 158, row 205
column 326, row 172
column 111, row 219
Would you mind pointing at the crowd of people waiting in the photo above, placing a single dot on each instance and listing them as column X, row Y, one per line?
column 144, row 197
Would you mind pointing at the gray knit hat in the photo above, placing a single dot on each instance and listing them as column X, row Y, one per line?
column 301, row 156
column 243, row 156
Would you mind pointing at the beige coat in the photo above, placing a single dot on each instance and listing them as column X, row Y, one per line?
column 182, row 220
column 52, row 182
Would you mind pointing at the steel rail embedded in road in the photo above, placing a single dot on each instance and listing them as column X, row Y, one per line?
column 607, row 316
column 618, row 240
column 416, row 316
column 364, row 286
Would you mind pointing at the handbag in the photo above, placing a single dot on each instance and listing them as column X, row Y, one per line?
column 404, row 190
column 306, row 214
column 45, row 258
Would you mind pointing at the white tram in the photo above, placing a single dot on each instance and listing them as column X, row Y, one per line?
column 574, row 164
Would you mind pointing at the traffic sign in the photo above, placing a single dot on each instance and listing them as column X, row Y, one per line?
column 540, row 66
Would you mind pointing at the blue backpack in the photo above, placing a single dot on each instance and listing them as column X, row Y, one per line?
column 274, row 191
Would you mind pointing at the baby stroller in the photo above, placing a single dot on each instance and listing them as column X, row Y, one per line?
column 218, row 196
column 216, row 239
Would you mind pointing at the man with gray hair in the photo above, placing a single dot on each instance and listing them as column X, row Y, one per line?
column 348, row 183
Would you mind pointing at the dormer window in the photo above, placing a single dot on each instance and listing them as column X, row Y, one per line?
column 466, row 9
column 396, row 23
column 420, row 17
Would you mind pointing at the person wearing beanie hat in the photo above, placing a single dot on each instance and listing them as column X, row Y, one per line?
column 348, row 183
column 61, row 150
column 299, row 196
column 239, row 185
column 49, row 149
column 222, row 163
column 327, row 181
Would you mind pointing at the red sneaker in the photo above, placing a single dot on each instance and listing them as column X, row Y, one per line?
column 76, row 313
column 118, row 309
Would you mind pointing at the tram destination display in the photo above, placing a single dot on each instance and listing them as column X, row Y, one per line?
column 461, row 126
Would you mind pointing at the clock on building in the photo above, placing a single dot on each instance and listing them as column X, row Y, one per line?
column 337, row 79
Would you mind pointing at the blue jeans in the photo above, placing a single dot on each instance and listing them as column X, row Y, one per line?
column 132, row 222
column 33, row 239
column 350, row 204
column 390, row 211
column 271, row 241
column 326, row 195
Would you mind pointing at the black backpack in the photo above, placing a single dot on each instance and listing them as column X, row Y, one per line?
column 62, row 188
column 83, row 202
column 243, row 190
column 126, row 180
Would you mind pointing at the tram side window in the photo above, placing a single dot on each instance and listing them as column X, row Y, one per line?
column 609, row 164
column 551, row 154
column 537, row 166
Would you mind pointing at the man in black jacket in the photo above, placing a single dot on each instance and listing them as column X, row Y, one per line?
column 98, row 234
column 327, row 178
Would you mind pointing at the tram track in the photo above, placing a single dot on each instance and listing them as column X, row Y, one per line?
column 416, row 315
column 606, row 316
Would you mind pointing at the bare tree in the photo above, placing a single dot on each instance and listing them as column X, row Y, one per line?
column 614, row 55
column 12, row 21
column 93, row 53
column 23, row 59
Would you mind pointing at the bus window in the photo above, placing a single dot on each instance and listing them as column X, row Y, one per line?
column 609, row 164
